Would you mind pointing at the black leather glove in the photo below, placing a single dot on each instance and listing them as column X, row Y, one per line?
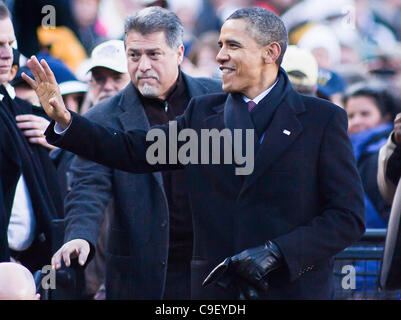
column 224, row 277
column 256, row 263
column 247, row 270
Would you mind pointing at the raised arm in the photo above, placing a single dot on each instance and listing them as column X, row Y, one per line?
column 126, row 151
column 47, row 90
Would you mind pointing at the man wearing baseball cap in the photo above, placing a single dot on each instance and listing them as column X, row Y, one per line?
column 108, row 67
column 302, row 69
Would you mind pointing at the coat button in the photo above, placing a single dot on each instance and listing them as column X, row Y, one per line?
column 163, row 263
column 163, row 224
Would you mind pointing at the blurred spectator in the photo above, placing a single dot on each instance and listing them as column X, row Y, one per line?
column 203, row 57
column 314, row 12
column 112, row 14
column 16, row 283
column 159, row 3
column 108, row 68
column 302, row 70
column 27, row 17
column 371, row 111
column 207, row 19
column 276, row 6
column 353, row 73
column 374, row 35
column 90, row 30
column 388, row 12
column 321, row 41
column 63, row 44
column 224, row 8
column 187, row 12
column 330, row 86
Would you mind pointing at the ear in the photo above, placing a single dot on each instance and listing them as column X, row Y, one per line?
column 180, row 54
column 271, row 53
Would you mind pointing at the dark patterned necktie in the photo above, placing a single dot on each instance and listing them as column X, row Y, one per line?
column 251, row 105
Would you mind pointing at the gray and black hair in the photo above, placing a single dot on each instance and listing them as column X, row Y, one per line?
column 4, row 12
column 265, row 27
column 156, row 19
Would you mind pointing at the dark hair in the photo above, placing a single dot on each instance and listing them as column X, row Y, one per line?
column 4, row 12
column 265, row 27
column 386, row 102
column 155, row 19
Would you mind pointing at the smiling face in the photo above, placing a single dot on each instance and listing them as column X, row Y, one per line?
column 7, row 38
column 152, row 63
column 363, row 114
column 247, row 67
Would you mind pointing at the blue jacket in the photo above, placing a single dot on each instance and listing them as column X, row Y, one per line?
column 366, row 145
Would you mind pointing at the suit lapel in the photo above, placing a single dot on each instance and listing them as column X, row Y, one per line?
column 133, row 116
column 282, row 132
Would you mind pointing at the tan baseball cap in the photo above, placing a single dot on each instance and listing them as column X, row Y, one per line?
column 301, row 60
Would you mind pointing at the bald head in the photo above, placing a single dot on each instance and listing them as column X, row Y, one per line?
column 16, row 282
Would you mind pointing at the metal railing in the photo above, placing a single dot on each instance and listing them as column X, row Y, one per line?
column 365, row 256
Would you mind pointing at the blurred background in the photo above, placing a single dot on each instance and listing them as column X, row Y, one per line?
column 358, row 39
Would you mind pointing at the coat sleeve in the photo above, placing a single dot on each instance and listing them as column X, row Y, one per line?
column 389, row 169
column 126, row 151
column 342, row 218
column 85, row 204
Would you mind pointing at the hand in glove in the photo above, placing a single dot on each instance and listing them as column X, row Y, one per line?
column 256, row 263
column 224, row 277
column 251, row 264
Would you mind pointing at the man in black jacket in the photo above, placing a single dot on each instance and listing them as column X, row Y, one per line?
column 22, row 162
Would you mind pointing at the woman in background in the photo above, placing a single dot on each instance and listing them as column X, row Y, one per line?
column 371, row 112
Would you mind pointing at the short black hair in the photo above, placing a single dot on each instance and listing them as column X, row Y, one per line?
column 265, row 27
column 385, row 100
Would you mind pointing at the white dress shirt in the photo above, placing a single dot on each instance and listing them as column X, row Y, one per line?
column 260, row 96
